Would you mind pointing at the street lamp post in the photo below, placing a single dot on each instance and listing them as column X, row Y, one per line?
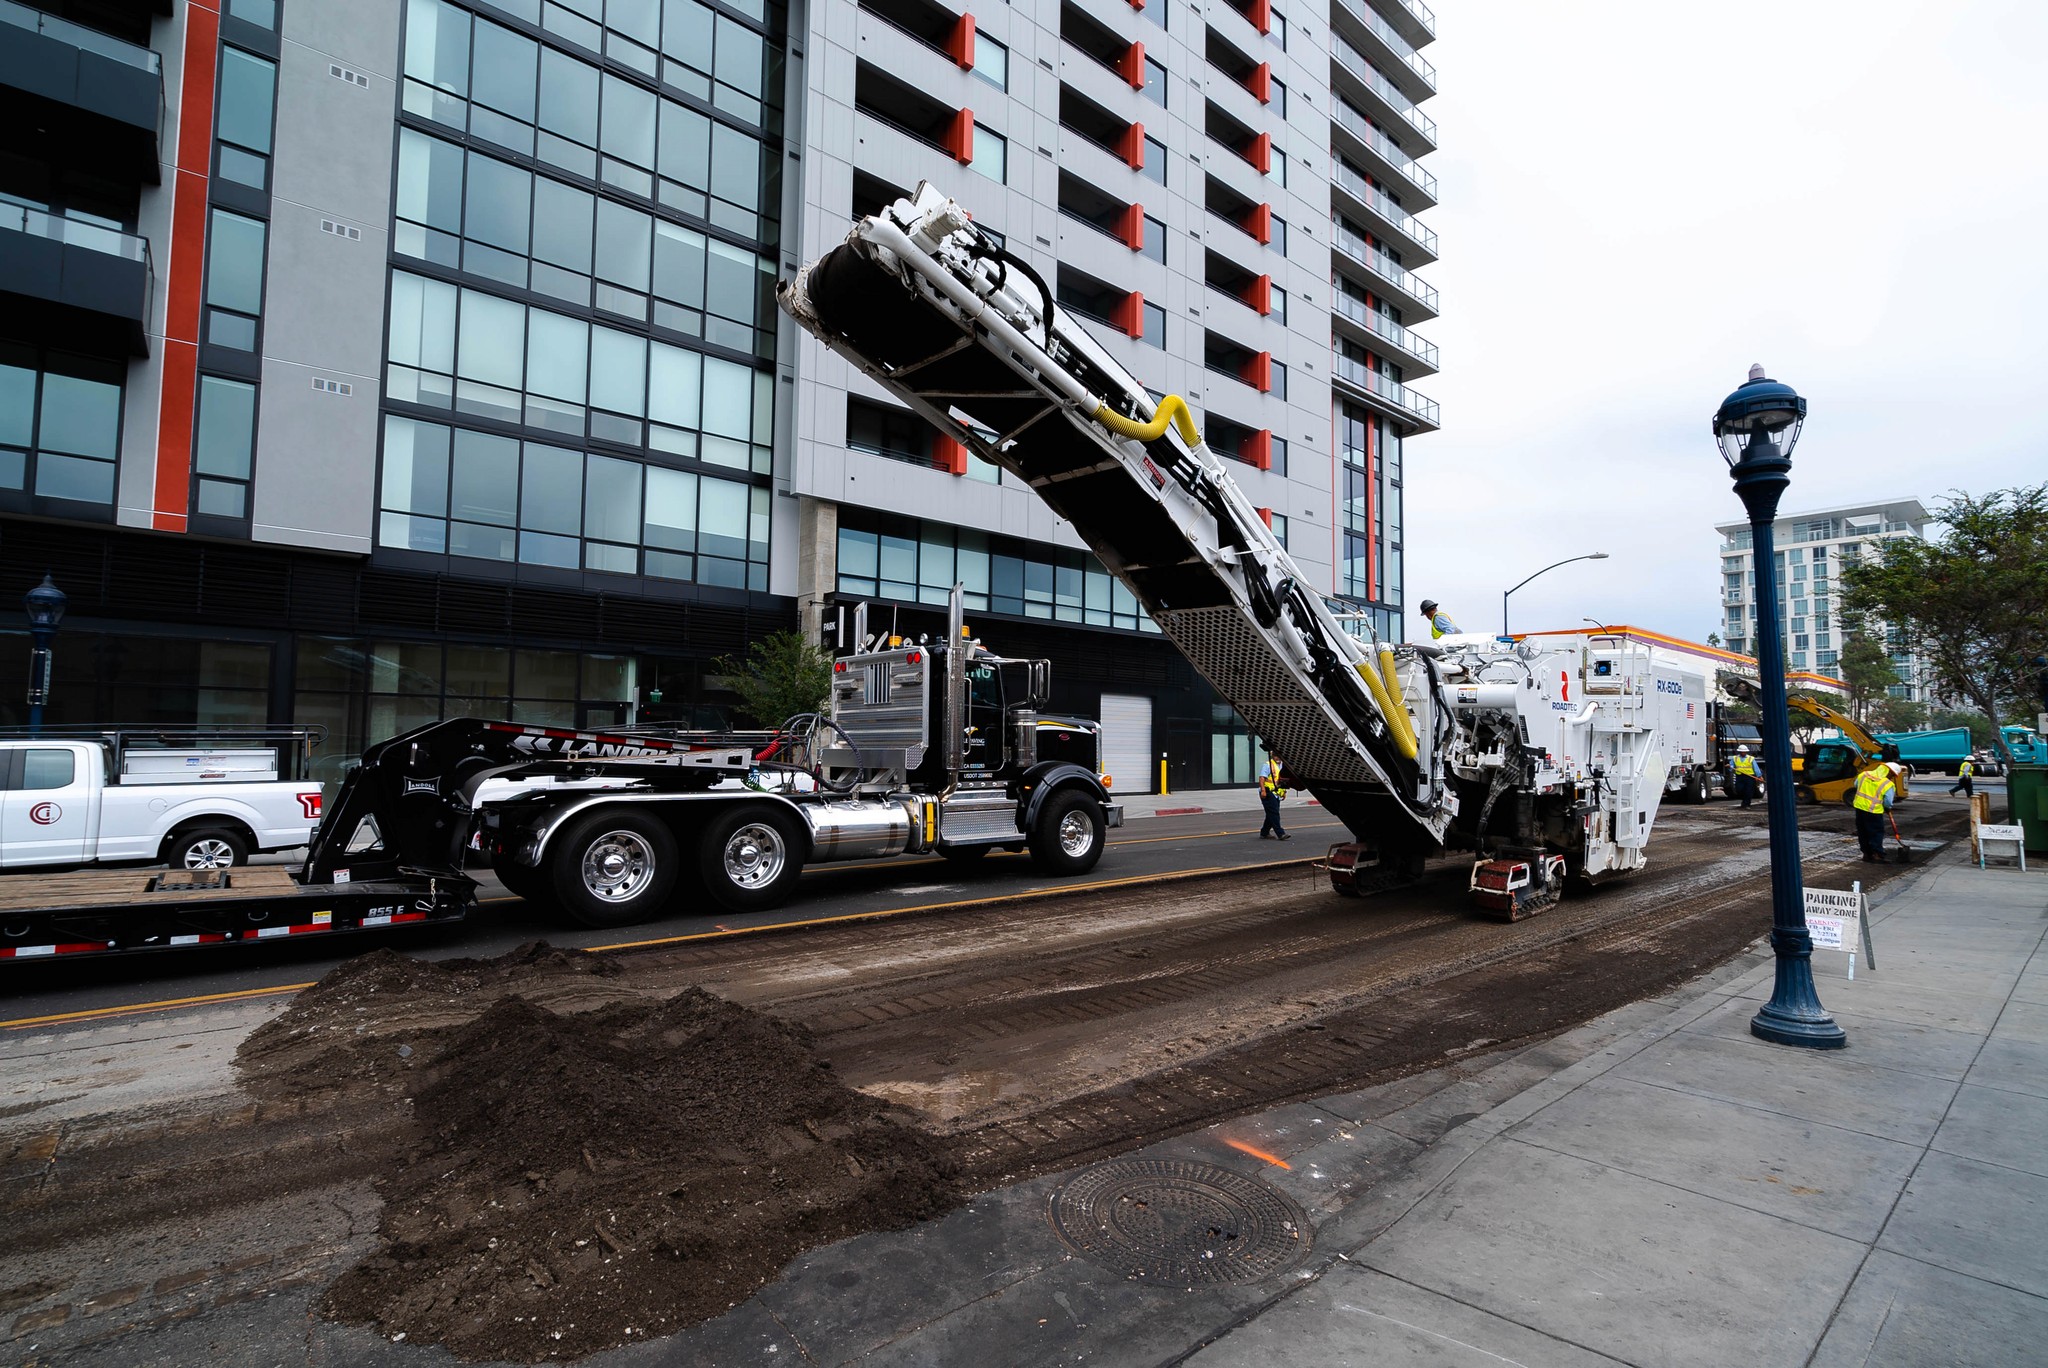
column 45, row 607
column 1594, row 555
column 1756, row 427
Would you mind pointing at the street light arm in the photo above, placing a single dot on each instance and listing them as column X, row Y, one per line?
column 1590, row 555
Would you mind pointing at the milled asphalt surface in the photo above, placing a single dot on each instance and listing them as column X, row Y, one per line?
column 1657, row 1187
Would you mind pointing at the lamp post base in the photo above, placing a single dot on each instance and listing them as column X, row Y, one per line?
column 1815, row 1032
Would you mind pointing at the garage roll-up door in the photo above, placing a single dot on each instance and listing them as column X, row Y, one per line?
column 1127, row 743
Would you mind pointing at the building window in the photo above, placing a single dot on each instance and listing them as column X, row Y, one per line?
column 223, row 447
column 476, row 353
column 262, row 13
column 234, row 280
column 1278, row 386
column 1155, row 161
column 1280, row 529
column 1276, row 168
column 991, row 155
column 1278, row 237
column 1279, row 453
column 920, row 562
column 451, row 491
column 1276, row 307
column 1155, row 83
column 884, row 430
column 991, row 61
column 1155, row 327
column 60, row 426
column 1278, row 96
column 1155, row 240
column 247, row 99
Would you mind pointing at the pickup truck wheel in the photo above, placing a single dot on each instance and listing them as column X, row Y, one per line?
column 613, row 868
column 1067, row 838
column 751, row 858
column 208, row 848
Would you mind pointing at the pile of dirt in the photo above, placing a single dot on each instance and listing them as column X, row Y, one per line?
column 576, row 1181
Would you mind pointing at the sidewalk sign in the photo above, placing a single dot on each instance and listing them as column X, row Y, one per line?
column 1840, row 921
column 2014, row 836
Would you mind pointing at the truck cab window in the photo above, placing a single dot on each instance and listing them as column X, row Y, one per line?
column 48, row 769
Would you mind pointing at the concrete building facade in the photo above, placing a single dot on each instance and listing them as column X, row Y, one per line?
column 369, row 361
column 1813, row 548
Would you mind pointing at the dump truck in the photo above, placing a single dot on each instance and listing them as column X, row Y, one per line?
column 1939, row 751
column 1547, row 760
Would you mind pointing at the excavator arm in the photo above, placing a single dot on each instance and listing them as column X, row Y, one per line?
column 968, row 335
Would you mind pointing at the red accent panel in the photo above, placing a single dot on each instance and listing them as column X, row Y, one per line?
column 1266, row 517
column 1137, row 4
column 1133, row 228
column 1261, row 82
column 960, row 137
column 1258, row 372
column 1259, row 294
column 1260, row 153
column 960, row 47
column 1260, row 12
column 1261, row 224
column 1258, row 451
column 1132, row 66
column 1130, row 314
column 1133, row 147
column 185, row 272
column 949, row 455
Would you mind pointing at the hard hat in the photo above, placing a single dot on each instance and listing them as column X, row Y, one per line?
column 1429, row 605
column 1742, row 750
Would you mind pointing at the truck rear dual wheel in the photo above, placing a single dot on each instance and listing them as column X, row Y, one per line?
column 751, row 857
column 1067, row 837
column 612, row 868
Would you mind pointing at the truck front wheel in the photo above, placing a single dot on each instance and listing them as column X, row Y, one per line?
column 1067, row 837
column 751, row 858
column 613, row 868
column 208, row 848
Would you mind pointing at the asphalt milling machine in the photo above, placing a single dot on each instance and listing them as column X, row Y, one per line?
column 1546, row 757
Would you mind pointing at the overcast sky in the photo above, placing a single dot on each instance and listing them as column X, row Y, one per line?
column 1642, row 198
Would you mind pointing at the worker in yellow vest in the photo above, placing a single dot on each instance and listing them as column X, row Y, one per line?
column 1440, row 624
column 1965, row 776
column 1271, row 791
column 1875, row 793
column 1745, row 775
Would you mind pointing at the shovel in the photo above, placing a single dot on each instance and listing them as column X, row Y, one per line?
column 1905, row 853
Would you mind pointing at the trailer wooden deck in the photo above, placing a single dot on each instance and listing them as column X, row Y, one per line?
column 33, row 892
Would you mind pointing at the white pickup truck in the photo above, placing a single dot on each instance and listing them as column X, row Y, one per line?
column 194, row 801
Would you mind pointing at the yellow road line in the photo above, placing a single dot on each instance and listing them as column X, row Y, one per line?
column 162, row 1005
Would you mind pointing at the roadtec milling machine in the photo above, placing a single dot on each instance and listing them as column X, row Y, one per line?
column 1547, row 758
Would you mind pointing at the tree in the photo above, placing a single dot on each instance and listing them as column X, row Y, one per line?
column 1867, row 669
column 1713, row 638
column 1888, row 714
column 1973, row 605
column 782, row 675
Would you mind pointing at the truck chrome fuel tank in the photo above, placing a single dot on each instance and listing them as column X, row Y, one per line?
column 857, row 830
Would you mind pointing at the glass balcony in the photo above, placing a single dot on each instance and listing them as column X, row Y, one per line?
column 1385, row 148
column 1381, row 203
column 1398, row 47
column 1357, row 249
column 1352, row 61
column 74, row 282
column 91, row 87
column 1386, row 329
column 1417, row 409
column 81, row 37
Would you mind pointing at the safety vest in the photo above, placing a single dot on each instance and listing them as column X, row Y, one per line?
column 1441, row 625
column 1874, row 790
column 1745, row 764
column 1271, row 784
column 1966, row 771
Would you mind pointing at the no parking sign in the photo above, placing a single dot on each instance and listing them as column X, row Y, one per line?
column 1838, row 920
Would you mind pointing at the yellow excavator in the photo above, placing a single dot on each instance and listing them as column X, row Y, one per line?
column 1826, row 771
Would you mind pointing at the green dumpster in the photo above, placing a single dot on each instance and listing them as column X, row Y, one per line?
column 2026, row 794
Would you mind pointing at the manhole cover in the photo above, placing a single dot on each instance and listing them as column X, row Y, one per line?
column 1178, row 1221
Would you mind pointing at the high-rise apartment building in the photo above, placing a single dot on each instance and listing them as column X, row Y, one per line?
column 1813, row 548
column 369, row 361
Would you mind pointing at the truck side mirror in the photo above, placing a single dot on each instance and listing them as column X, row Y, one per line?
column 1041, row 682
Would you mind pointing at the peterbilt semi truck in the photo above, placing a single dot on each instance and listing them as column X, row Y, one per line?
column 1548, row 759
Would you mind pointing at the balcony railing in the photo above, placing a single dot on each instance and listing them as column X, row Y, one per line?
column 1361, row 128
column 79, row 36
column 1382, row 203
column 1422, row 12
column 1381, row 326
column 1400, row 46
column 1393, row 391
column 74, row 232
column 1355, row 63
column 1381, row 265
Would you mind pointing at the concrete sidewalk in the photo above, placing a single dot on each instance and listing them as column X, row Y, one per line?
column 1657, row 1187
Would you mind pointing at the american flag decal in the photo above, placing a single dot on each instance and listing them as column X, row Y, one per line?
column 1688, row 712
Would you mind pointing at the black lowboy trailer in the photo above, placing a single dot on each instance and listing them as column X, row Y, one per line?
column 925, row 747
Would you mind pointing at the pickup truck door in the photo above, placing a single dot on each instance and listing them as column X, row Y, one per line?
column 46, row 808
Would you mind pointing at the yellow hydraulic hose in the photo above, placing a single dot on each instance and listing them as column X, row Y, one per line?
column 1397, row 717
column 1172, row 409
column 1402, row 725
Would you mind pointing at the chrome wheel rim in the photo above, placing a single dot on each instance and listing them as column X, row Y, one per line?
column 618, row 866
column 1077, row 833
column 211, row 853
column 755, row 855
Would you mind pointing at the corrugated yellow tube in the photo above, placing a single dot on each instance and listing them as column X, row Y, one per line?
column 1402, row 724
column 1397, row 718
column 1172, row 409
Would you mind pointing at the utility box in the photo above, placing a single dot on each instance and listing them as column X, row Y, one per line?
column 2026, row 793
